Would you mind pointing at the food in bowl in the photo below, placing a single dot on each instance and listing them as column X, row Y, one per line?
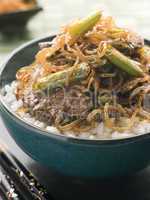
column 92, row 81
column 7, row 6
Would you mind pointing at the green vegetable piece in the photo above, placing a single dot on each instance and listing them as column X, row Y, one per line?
column 59, row 79
column 123, row 62
column 79, row 28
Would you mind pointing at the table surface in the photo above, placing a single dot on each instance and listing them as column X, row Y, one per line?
column 134, row 14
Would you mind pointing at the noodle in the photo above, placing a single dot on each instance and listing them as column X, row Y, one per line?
column 112, row 91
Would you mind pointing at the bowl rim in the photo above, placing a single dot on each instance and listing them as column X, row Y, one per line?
column 35, row 8
column 49, row 134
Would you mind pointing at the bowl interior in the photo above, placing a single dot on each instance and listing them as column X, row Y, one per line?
column 24, row 56
column 19, row 58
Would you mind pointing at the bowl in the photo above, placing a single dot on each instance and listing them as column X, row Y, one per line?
column 18, row 18
column 70, row 156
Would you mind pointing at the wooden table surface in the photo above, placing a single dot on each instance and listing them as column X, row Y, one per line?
column 134, row 14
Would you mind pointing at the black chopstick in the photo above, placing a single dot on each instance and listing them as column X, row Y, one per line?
column 6, row 187
column 34, row 184
column 3, row 194
column 9, row 170
column 22, row 177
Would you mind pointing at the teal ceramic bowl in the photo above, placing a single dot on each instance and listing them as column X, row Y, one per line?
column 70, row 156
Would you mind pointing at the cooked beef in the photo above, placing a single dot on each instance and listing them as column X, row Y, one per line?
column 63, row 105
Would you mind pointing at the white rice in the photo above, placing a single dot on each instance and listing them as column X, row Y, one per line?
column 100, row 132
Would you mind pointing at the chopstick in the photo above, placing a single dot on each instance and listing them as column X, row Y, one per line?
column 26, row 185
column 7, row 189
column 28, row 177
column 8, row 169
column 2, row 194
